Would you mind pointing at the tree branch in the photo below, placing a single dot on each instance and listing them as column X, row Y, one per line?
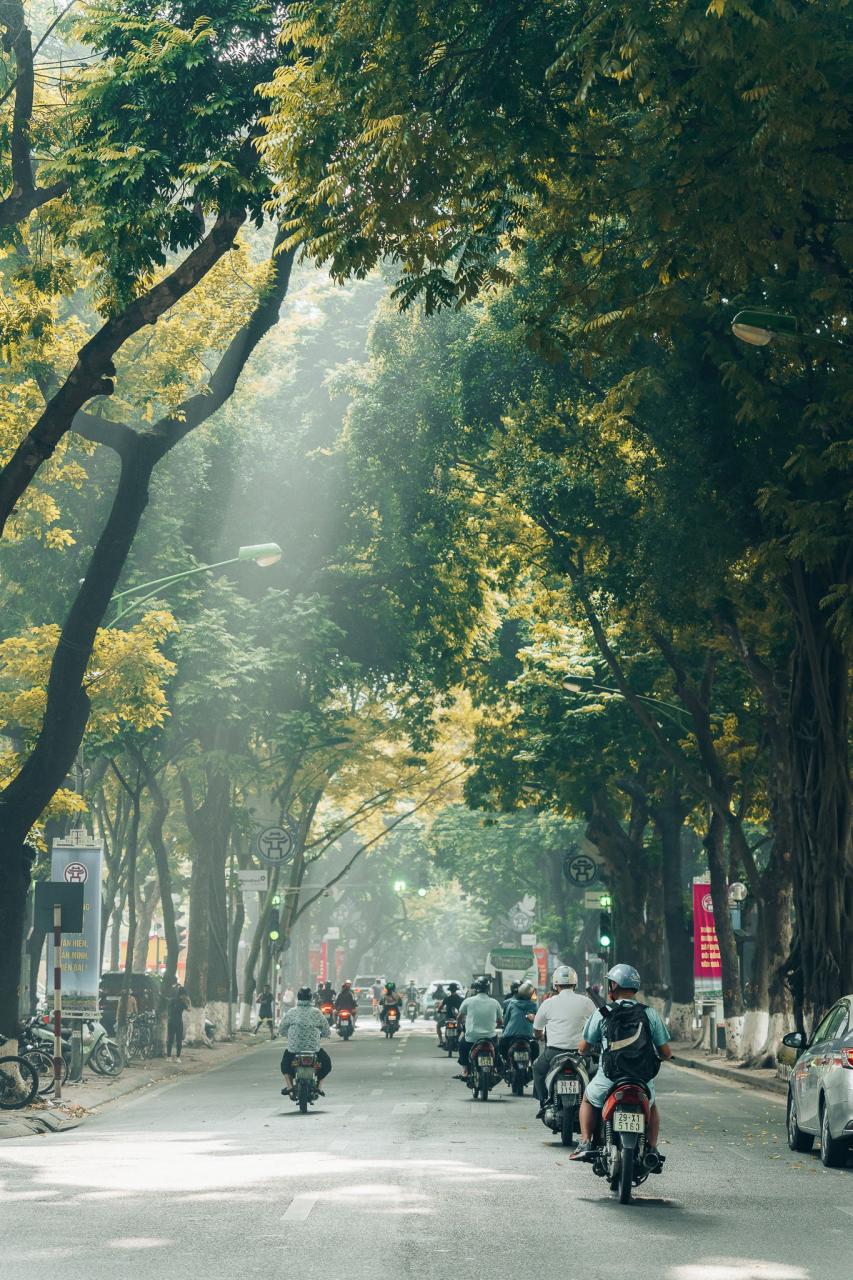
column 25, row 196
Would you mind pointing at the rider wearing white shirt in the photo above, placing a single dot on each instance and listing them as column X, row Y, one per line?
column 560, row 1021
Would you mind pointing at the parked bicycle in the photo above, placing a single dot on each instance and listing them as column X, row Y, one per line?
column 19, row 1081
column 139, row 1042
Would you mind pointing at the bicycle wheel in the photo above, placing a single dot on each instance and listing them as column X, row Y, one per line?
column 19, row 1082
column 43, row 1063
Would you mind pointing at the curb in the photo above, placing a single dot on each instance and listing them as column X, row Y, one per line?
column 732, row 1074
column 36, row 1123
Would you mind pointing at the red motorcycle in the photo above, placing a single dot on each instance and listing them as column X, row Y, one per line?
column 345, row 1023
column 623, row 1157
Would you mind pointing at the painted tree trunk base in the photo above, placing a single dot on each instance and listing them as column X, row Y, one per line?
column 217, row 1011
column 680, row 1021
column 735, row 1036
column 194, row 1026
column 778, row 1025
column 244, row 1020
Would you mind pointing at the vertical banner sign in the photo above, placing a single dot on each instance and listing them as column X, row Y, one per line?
column 324, row 961
column 340, row 957
column 314, row 961
column 82, row 863
column 707, row 970
column 541, row 954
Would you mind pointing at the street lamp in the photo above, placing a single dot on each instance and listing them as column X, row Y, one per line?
column 580, row 684
column 263, row 554
column 759, row 328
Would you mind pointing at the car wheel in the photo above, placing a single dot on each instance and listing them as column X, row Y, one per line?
column 797, row 1139
column 833, row 1151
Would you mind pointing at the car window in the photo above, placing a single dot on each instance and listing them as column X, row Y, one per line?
column 823, row 1030
column 838, row 1023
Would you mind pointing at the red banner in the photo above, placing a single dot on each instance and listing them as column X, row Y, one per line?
column 541, row 954
column 707, row 970
column 340, row 957
column 314, row 961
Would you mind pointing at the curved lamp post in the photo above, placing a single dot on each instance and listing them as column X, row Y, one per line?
column 263, row 554
column 759, row 328
column 583, row 684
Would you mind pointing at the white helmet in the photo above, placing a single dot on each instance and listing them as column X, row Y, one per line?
column 525, row 990
column 565, row 976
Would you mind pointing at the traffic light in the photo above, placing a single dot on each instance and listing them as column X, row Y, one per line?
column 274, row 925
column 605, row 930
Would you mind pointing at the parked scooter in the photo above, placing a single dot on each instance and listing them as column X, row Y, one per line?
column 623, row 1156
column 518, row 1064
column 567, row 1078
column 100, row 1052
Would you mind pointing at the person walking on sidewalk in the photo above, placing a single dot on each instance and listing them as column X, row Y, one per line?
column 265, row 1011
column 179, row 1003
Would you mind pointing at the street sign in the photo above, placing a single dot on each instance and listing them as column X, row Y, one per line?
column 333, row 933
column 255, row 880
column 276, row 844
column 528, row 939
column 582, row 870
column 511, row 958
column 78, row 863
column 596, row 899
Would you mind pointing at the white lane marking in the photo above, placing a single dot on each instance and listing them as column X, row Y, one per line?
column 299, row 1208
column 374, row 1093
column 410, row 1109
column 340, row 1144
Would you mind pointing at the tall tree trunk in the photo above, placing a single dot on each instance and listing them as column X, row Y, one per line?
column 669, row 819
column 715, row 845
column 822, row 810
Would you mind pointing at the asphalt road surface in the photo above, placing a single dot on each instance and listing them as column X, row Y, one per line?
column 397, row 1173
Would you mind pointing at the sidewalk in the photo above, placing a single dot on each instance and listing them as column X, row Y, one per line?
column 95, row 1092
column 766, row 1078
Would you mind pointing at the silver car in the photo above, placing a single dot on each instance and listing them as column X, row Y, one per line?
column 820, row 1090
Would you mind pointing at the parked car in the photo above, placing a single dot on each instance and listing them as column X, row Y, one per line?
column 820, row 1090
column 146, row 989
column 429, row 994
column 362, row 987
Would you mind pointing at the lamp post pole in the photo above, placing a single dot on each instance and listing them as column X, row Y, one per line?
column 263, row 554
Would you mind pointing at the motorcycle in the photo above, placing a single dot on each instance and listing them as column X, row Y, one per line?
column 483, row 1069
column 623, row 1157
column 328, row 1010
column 306, row 1086
column 391, row 1022
column 99, row 1052
column 518, row 1068
column 451, row 1037
column 411, row 1010
column 567, row 1078
column 345, row 1023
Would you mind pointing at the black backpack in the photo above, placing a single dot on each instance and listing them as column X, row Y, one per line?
column 630, row 1052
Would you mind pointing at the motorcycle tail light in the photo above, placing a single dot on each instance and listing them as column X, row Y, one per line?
column 846, row 1059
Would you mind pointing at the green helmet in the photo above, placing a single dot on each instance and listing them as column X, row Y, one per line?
column 390, row 986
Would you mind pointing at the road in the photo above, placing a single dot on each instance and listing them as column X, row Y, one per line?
column 397, row 1173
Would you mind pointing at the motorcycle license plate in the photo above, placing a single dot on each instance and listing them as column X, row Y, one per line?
column 522, row 1057
column 629, row 1122
column 305, row 1073
column 568, row 1086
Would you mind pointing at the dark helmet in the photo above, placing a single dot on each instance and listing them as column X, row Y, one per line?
column 513, row 988
column 453, row 987
column 304, row 996
column 482, row 984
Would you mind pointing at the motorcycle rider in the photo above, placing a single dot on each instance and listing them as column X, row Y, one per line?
column 482, row 1016
column 445, row 1008
column 518, row 1013
column 390, row 1000
column 346, row 1000
column 623, row 983
column 304, row 1027
column 266, row 1001
column 325, row 993
column 513, row 991
column 560, row 1021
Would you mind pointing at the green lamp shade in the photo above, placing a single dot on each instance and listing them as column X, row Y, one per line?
column 760, row 327
column 264, row 554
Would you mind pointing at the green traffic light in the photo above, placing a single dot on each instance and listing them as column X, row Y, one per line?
column 276, row 900
column 274, row 935
column 604, row 940
column 605, row 900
